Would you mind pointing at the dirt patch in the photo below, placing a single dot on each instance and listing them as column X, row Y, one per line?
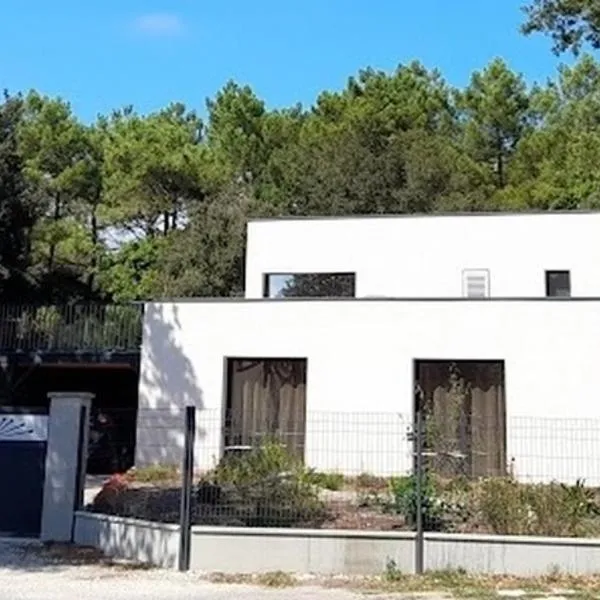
column 350, row 517
column 160, row 502
column 278, row 499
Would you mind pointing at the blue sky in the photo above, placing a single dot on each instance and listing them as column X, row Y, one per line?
column 105, row 54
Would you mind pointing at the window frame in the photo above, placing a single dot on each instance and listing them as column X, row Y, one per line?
column 547, row 276
column 268, row 275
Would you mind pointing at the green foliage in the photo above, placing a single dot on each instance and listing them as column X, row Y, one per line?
column 206, row 259
column 136, row 207
column 404, row 501
column 156, row 474
column 392, row 573
column 17, row 212
column 77, row 326
column 495, row 105
column 132, row 272
column 570, row 23
column 327, row 481
column 267, row 487
column 553, row 510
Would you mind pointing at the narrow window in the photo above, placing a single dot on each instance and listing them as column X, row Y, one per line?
column 558, row 284
column 309, row 285
column 476, row 283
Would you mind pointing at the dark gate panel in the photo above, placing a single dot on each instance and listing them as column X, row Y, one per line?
column 23, row 439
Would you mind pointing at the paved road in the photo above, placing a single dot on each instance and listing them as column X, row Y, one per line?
column 26, row 574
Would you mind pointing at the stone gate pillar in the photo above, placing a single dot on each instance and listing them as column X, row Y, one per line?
column 66, row 462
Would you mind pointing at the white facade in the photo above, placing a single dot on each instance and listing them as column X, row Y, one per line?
column 425, row 256
column 360, row 354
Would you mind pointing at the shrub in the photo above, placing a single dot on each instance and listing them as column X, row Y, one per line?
column 502, row 505
column 554, row 509
column 327, row 481
column 267, row 487
column 561, row 510
column 156, row 474
column 404, row 501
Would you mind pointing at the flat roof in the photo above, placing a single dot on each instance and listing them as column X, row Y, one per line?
column 242, row 300
column 528, row 213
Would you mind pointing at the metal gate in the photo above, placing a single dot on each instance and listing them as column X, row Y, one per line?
column 23, row 439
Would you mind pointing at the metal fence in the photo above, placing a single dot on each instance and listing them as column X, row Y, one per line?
column 71, row 327
column 368, row 471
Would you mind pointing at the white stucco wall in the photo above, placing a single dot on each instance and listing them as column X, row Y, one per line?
column 424, row 256
column 359, row 383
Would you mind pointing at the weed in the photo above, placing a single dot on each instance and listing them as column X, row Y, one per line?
column 392, row 574
column 276, row 579
column 404, row 493
column 327, row 481
column 268, row 487
column 554, row 509
column 502, row 506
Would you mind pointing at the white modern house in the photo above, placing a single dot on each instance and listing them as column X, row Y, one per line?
column 489, row 322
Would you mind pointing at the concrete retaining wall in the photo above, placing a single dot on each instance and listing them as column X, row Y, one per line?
column 240, row 550
column 141, row 541
column 516, row 555
column 233, row 550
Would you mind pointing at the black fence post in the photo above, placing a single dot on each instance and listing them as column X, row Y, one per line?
column 419, row 538
column 187, row 476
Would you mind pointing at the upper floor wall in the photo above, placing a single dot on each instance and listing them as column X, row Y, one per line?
column 434, row 256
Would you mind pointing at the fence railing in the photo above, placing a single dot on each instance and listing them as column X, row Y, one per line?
column 362, row 471
column 71, row 327
column 370, row 471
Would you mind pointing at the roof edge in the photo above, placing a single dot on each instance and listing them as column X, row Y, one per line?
column 242, row 300
column 353, row 217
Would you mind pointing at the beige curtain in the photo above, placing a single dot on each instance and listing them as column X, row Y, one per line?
column 465, row 417
column 267, row 399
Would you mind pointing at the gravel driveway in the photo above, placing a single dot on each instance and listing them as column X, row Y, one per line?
column 26, row 573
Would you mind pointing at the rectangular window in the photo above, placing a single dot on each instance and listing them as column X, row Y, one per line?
column 558, row 284
column 476, row 283
column 266, row 401
column 463, row 404
column 309, row 285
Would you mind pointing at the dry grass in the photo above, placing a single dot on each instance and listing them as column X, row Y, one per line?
column 459, row 584
column 73, row 555
column 70, row 554
column 275, row 579
column 155, row 474
column 453, row 584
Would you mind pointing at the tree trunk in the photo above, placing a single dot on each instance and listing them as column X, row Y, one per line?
column 94, row 261
column 52, row 250
column 500, row 160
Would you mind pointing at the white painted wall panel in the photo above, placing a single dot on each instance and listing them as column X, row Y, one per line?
column 359, row 383
column 424, row 256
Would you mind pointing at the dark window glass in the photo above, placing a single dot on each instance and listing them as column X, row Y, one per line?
column 309, row 285
column 558, row 284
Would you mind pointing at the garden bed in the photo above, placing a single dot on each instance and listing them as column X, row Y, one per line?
column 270, row 489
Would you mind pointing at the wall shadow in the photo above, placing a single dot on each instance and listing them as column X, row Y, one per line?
column 168, row 383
